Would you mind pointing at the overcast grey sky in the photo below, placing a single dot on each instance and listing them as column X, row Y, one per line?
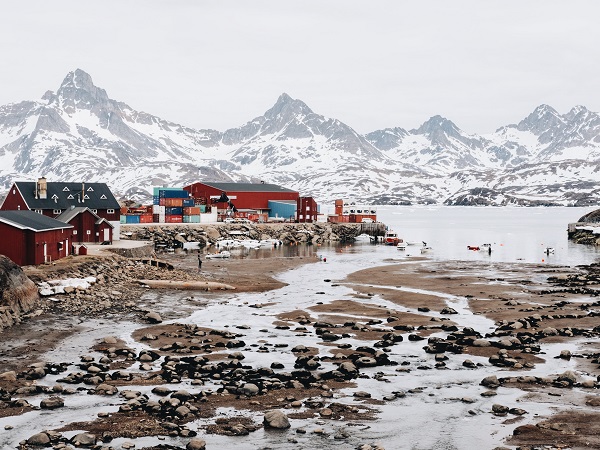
column 371, row 64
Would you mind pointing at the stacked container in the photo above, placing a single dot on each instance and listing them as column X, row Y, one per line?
column 169, row 203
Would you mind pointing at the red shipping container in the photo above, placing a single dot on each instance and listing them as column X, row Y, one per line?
column 173, row 219
column 174, row 202
column 146, row 218
column 161, row 201
column 191, row 211
column 156, row 218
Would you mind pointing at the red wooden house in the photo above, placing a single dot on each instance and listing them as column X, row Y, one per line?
column 307, row 210
column 54, row 198
column 87, row 226
column 29, row 238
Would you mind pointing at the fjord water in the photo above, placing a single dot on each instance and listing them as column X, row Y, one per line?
column 516, row 233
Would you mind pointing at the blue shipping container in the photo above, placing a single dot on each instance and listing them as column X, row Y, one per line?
column 155, row 200
column 174, row 211
column 156, row 190
column 132, row 219
column 174, row 194
column 188, row 202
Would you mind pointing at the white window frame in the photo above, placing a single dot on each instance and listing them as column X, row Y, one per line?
column 110, row 211
column 56, row 211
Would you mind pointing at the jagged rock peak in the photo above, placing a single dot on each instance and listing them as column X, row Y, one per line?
column 578, row 112
column 78, row 85
column 540, row 120
column 436, row 124
column 287, row 105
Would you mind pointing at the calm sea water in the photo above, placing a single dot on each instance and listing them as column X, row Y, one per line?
column 516, row 234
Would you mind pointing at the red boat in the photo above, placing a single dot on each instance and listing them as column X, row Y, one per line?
column 391, row 238
column 470, row 247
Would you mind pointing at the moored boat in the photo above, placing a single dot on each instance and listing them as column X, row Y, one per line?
column 391, row 238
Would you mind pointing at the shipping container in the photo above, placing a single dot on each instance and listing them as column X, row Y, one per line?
column 156, row 190
column 161, row 201
column 174, row 202
column 146, row 218
column 123, row 218
column 191, row 219
column 180, row 193
column 157, row 209
column 132, row 218
column 156, row 218
column 202, row 208
column 173, row 219
column 173, row 211
column 191, row 211
column 155, row 200
column 187, row 202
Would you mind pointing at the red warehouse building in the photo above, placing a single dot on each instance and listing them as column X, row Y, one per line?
column 54, row 198
column 240, row 196
column 29, row 238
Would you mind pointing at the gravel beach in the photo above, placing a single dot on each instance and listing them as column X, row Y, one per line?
column 310, row 361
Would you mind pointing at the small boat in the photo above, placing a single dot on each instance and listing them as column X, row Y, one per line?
column 401, row 245
column 549, row 251
column 421, row 243
column 391, row 238
column 221, row 254
column 471, row 247
column 426, row 249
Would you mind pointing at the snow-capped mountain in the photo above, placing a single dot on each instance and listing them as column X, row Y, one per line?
column 80, row 133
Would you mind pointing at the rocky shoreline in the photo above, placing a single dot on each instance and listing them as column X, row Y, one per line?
column 174, row 236
column 210, row 361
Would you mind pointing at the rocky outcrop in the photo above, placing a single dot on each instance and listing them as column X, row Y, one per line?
column 583, row 232
column 18, row 294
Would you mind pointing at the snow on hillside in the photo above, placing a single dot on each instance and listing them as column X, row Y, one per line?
column 79, row 133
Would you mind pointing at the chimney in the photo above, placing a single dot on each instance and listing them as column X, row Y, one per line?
column 41, row 188
column 82, row 193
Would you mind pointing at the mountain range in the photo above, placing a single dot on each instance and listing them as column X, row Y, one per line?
column 80, row 133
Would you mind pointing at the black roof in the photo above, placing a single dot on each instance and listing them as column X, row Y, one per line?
column 30, row 220
column 250, row 187
column 64, row 195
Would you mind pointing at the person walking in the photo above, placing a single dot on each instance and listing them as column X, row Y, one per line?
column 199, row 263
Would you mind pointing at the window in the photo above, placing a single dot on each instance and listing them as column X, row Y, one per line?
column 39, row 211
column 110, row 211
column 56, row 211
column 94, row 210
column 74, row 232
column 103, row 197
column 65, row 189
column 70, row 197
column 90, row 189
column 88, row 232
